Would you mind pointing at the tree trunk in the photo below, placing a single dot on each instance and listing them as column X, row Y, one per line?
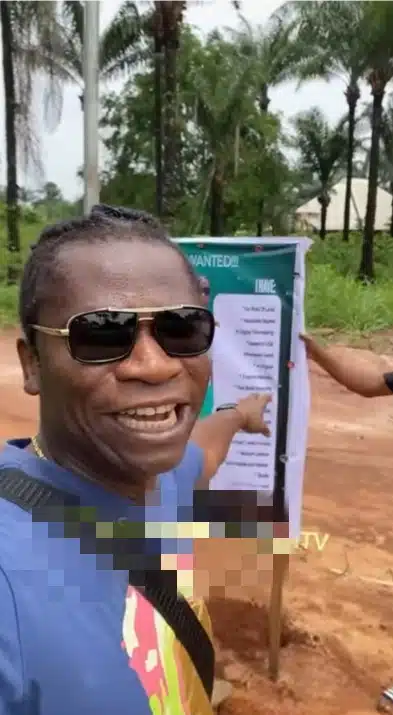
column 13, row 239
column 352, row 94
column 261, row 207
column 216, row 205
column 324, row 208
column 366, row 268
column 172, row 183
column 263, row 98
column 158, row 118
column 263, row 102
column 391, row 215
column 324, row 200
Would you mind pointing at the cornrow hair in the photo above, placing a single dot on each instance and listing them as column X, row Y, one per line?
column 104, row 223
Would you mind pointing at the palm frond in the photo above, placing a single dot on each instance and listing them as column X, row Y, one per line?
column 322, row 148
column 73, row 14
column 38, row 42
column 119, row 50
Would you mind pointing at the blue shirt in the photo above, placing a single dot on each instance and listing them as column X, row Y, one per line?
column 75, row 639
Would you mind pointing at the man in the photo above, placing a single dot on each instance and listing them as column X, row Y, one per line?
column 356, row 374
column 116, row 352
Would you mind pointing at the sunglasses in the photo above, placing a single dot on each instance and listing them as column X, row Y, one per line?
column 108, row 335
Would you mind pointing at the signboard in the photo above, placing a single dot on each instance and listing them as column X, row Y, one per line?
column 256, row 292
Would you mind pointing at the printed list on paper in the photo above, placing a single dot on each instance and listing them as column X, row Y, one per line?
column 245, row 359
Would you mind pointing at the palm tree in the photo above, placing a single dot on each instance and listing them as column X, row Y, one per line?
column 386, row 164
column 273, row 49
column 378, row 38
column 331, row 35
column 120, row 48
column 168, row 21
column 158, row 110
column 168, row 24
column 13, row 237
column 224, row 96
column 31, row 39
column 274, row 52
column 129, row 40
column 323, row 150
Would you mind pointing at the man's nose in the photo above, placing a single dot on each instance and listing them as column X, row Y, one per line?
column 148, row 362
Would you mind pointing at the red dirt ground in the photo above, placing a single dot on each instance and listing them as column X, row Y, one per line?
column 338, row 633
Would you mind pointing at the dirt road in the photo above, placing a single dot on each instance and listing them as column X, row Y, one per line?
column 338, row 635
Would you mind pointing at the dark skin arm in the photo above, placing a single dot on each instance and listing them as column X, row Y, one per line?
column 356, row 374
column 215, row 433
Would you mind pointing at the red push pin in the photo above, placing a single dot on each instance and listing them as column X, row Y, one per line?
column 290, row 364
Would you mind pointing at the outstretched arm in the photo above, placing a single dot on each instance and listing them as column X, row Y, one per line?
column 214, row 434
column 356, row 374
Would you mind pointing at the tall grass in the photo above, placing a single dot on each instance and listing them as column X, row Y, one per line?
column 335, row 299
column 345, row 257
column 344, row 304
column 8, row 306
column 29, row 234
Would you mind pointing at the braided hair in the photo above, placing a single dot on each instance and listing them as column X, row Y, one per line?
column 103, row 224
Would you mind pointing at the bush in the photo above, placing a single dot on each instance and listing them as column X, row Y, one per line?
column 31, row 216
column 345, row 257
column 8, row 305
column 342, row 303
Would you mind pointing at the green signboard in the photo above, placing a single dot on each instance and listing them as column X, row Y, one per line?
column 255, row 289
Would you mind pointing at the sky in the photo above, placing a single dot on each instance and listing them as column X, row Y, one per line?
column 62, row 150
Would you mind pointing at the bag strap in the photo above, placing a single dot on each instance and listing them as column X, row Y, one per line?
column 29, row 493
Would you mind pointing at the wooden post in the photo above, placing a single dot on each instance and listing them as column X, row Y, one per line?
column 280, row 569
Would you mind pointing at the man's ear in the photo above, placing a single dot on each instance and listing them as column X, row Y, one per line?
column 28, row 359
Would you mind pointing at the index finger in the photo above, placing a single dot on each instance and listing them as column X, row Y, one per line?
column 265, row 399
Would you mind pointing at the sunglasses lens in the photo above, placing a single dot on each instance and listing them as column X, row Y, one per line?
column 102, row 336
column 184, row 332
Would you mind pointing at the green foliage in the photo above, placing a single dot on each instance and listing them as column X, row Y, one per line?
column 222, row 129
column 8, row 305
column 344, row 304
column 230, row 149
column 331, row 36
column 323, row 149
column 29, row 234
column 334, row 299
column 344, row 257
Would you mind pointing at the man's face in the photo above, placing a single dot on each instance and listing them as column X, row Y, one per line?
column 81, row 405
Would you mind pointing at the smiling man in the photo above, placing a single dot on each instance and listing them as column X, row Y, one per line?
column 116, row 350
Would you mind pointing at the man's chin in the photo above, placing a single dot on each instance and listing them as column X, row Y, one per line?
column 149, row 466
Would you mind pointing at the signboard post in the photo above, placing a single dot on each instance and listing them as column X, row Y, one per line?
column 255, row 287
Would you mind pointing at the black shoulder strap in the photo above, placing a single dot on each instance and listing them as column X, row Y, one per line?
column 29, row 493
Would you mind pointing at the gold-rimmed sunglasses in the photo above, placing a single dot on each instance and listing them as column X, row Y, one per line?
column 109, row 334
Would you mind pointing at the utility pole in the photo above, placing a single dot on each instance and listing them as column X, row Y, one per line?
column 91, row 34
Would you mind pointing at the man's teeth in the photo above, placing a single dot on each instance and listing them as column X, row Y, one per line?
column 149, row 411
column 161, row 417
